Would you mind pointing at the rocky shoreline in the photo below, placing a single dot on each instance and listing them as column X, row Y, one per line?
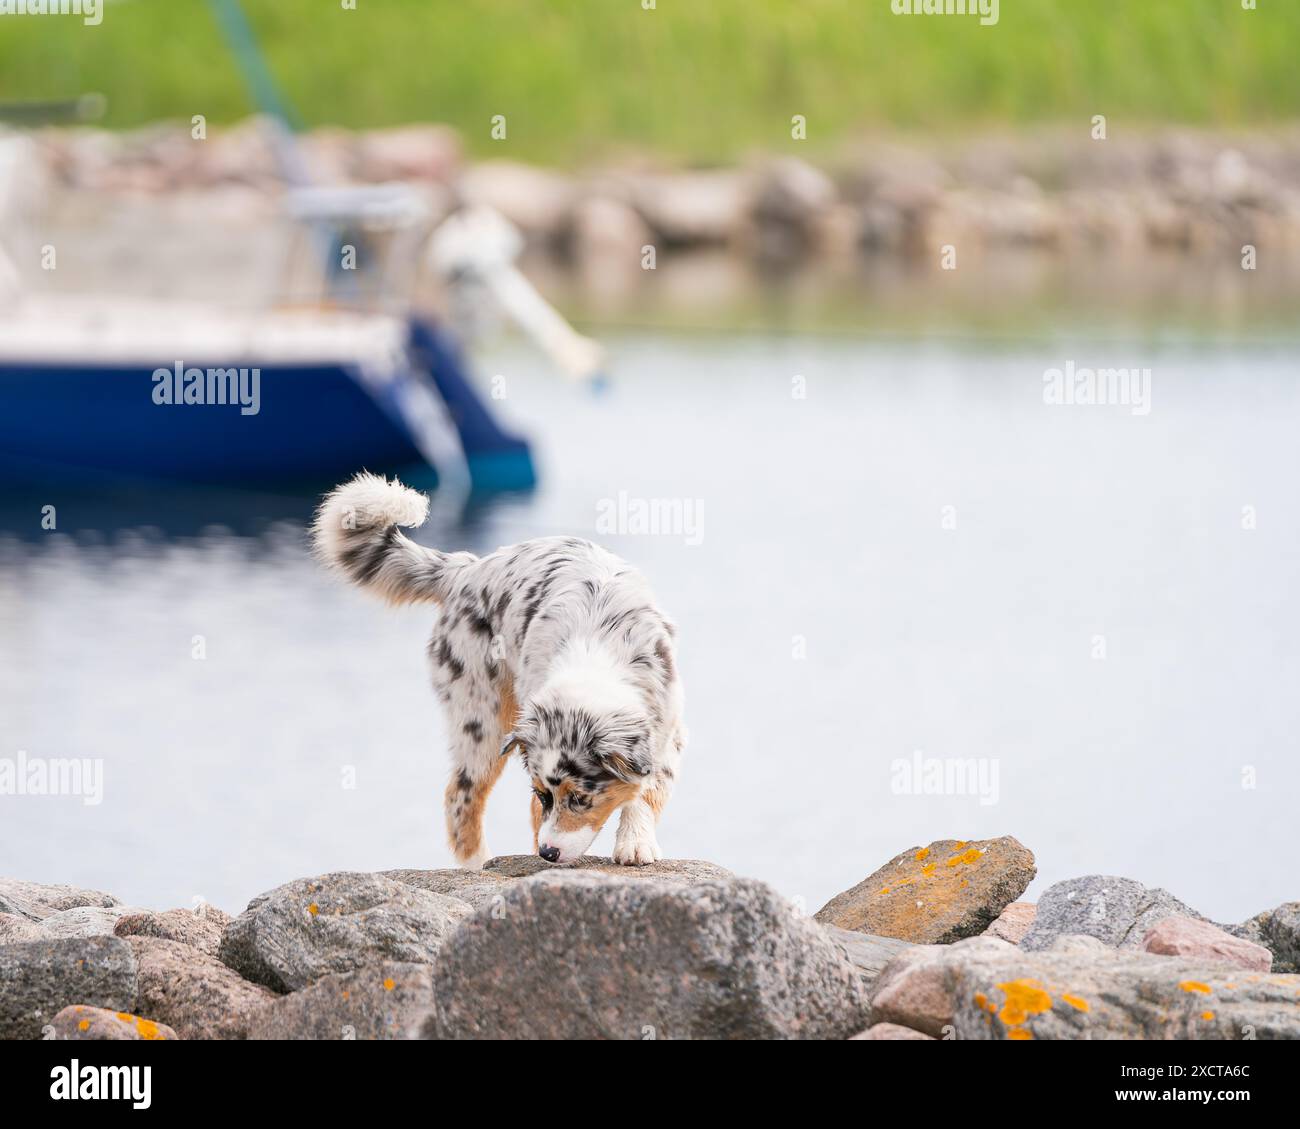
column 933, row 945
column 1062, row 190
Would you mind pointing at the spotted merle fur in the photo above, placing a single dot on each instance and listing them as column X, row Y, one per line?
column 557, row 626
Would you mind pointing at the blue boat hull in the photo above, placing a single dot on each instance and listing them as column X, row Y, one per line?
column 315, row 423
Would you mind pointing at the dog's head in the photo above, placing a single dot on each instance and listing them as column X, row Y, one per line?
column 584, row 766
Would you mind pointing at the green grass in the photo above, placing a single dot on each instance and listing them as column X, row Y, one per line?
column 699, row 80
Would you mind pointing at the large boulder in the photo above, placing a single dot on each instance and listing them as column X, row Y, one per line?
column 80, row 1022
column 1117, row 911
column 391, row 1000
column 193, row 992
column 693, row 208
column 1013, row 923
column 1278, row 930
column 486, row 886
column 14, row 928
column 409, row 152
column 476, row 887
column 684, row 871
column 38, row 979
column 201, row 928
column 574, row 955
column 1199, row 940
column 913, row 990
column 936, row 894
column 309, row 928
column 868, row 954
column 894, row 1032
column 85, row 921
column 537, row 201
column 1081, row 988
column 36, row 901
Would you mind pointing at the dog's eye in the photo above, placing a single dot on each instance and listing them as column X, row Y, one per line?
column 544, row 797
column 579, row 802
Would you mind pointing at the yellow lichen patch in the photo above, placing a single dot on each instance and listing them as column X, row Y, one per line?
column 1078, row 1003
column 928, row 869
column 84, row 1025
column 1194, row 986
column 981, row 1000
column 961, row 843
column 313, row 909
column 965, row 882
column 389, row 985
column 885, row 890
column 1023, row 999
column 923, row 854
column 1019, row 1033
column 1207, row 1016
column 124, row 1017
column 148, row 1029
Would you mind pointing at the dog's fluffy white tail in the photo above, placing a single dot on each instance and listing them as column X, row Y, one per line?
column 356, row 533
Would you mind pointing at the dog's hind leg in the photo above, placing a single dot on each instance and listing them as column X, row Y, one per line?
column 475, row 708
column 466, row 800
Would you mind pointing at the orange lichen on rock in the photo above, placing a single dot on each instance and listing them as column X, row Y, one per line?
column 148, row 1029
column 922, row 854
column 1207, row 1015
column 313, row 909
column 389, row 984
column 1077, row 1002
column 1023, row 999
column 1194, row 986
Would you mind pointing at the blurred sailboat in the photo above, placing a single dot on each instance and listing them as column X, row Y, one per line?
column 356, row 378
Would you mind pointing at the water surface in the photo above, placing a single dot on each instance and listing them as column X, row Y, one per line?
column 915, row 557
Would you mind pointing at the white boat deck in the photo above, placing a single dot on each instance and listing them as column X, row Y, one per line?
column 99, row 330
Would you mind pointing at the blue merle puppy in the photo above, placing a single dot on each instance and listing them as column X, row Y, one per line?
column 552, row 648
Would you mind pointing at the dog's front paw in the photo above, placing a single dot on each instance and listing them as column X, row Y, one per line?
column 475, row 861
column 637, row 852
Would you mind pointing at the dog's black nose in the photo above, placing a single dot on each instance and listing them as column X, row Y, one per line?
column 550, row 854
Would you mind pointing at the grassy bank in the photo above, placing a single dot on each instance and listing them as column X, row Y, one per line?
column 699, row 81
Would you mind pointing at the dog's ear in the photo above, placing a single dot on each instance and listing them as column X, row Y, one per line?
column 628, row 759
column 512, row 741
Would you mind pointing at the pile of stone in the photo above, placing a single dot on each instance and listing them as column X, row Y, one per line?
column 932, row 945
column 1059, row 191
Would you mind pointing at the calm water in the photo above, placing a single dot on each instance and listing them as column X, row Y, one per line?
column 917, row 557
